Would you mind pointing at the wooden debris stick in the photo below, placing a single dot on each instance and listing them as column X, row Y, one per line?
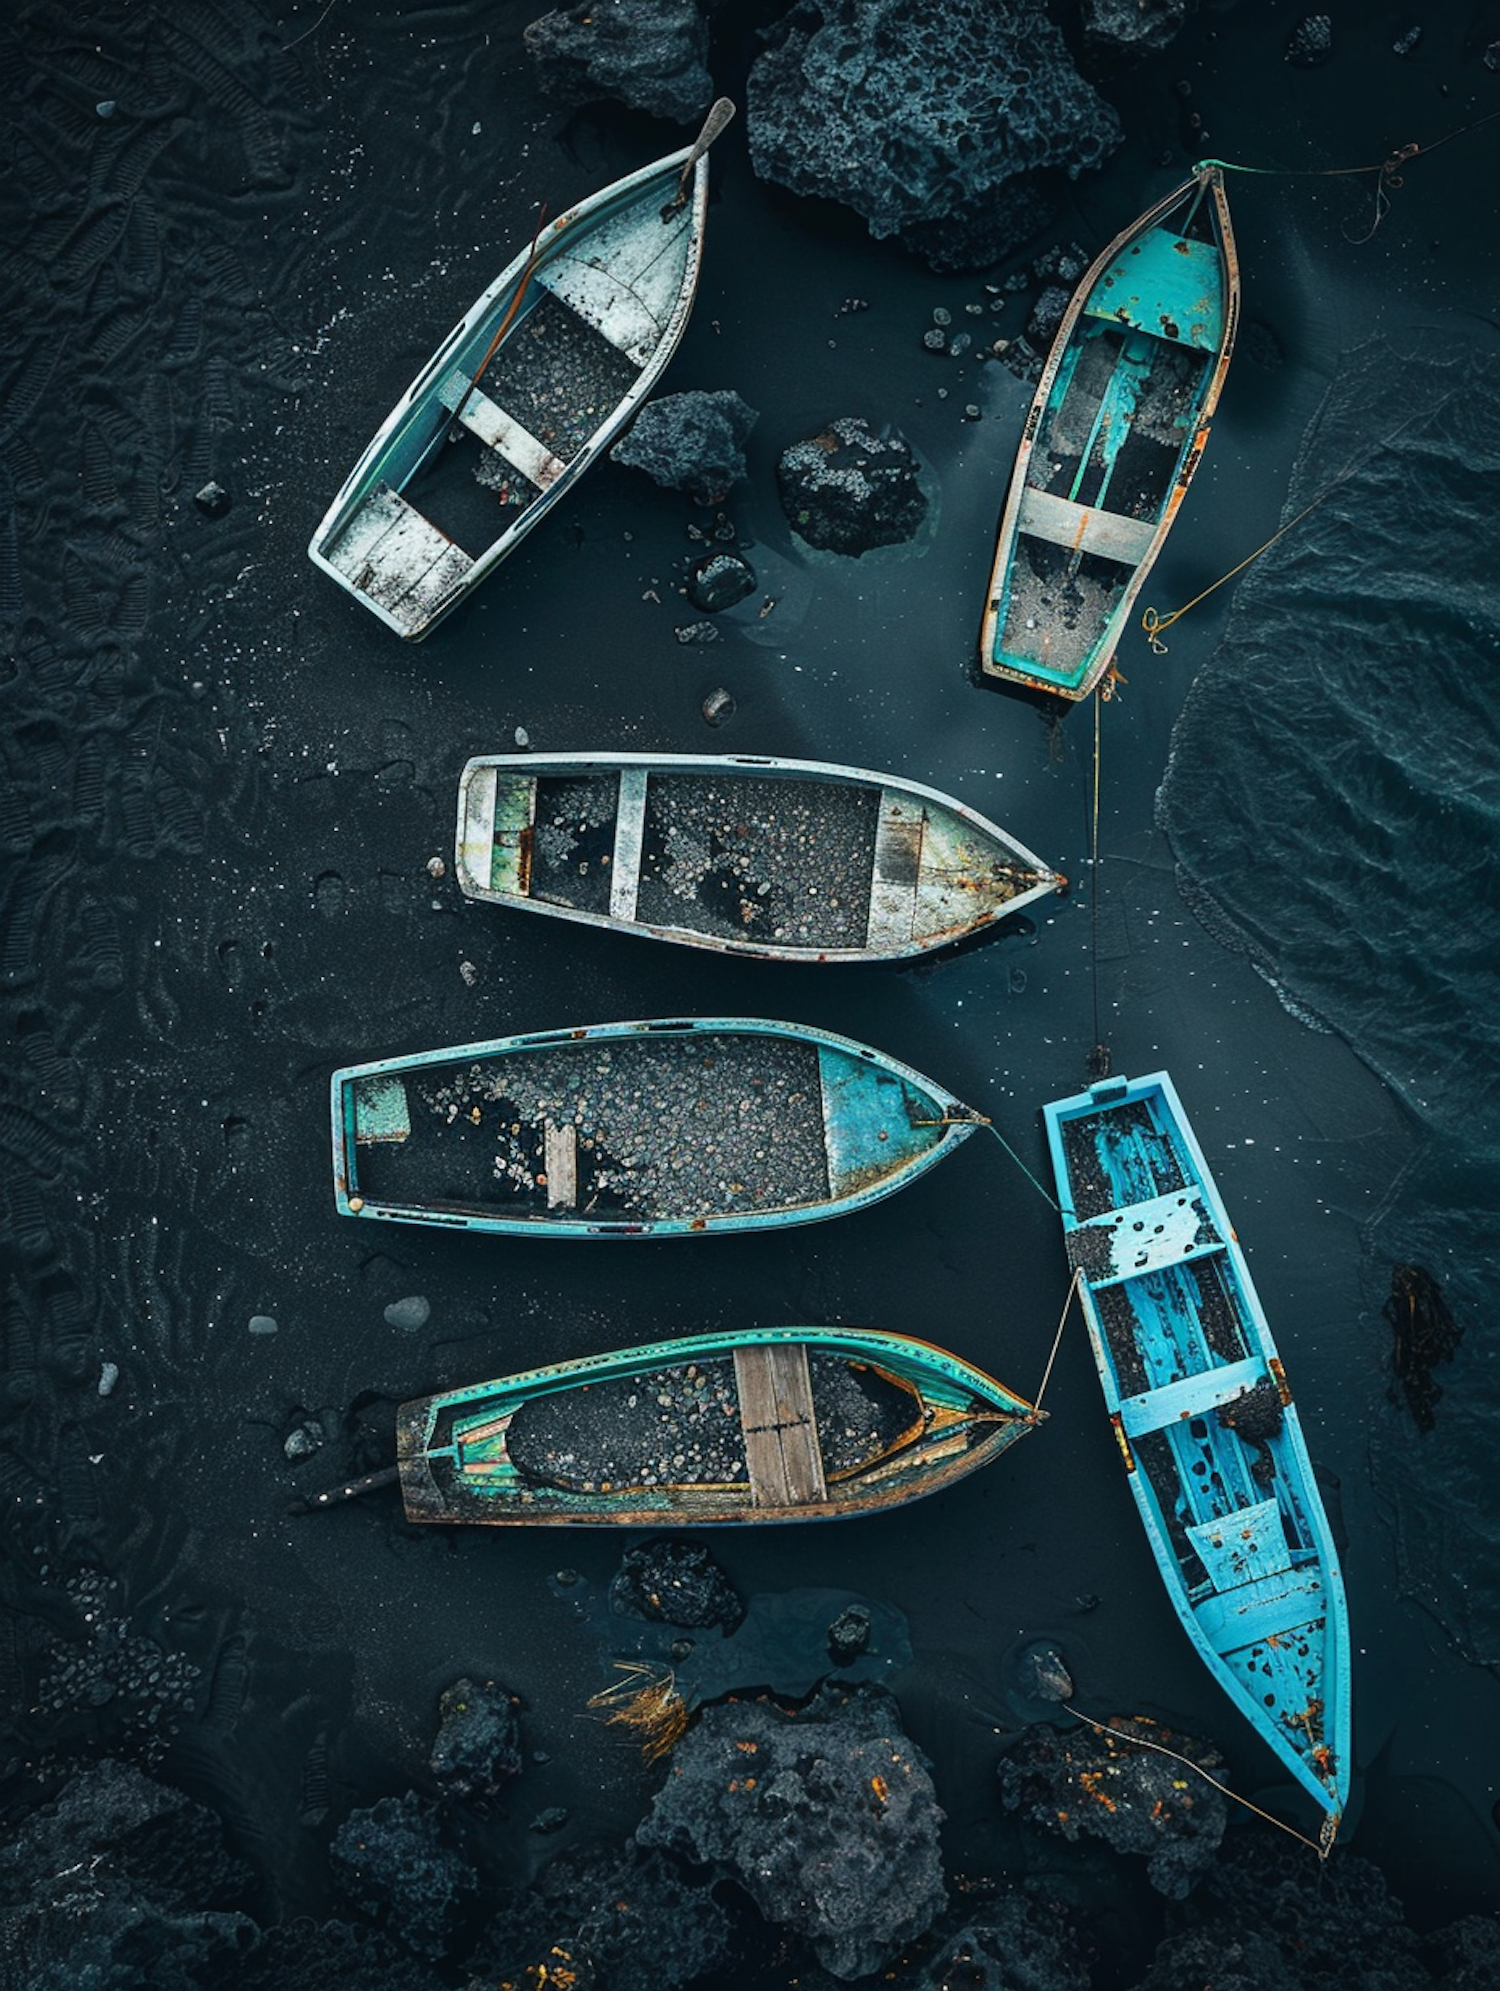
column 780, row 1430
column 560, row 1153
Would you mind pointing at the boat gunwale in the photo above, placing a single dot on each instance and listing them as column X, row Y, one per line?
column 417, row 1419
column 362, row 479
column 1207, row 176
column 834, row 773
column 1323, row 1557
column 955, row 1120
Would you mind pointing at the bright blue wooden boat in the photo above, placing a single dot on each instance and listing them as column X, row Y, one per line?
column 1184, row 1353
column 669, row 1128
column 767, row 1424
column 528, row 390
column 787, row 860
column 1119, row 422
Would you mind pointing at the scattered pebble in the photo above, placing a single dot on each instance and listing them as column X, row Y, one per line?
column 468, row 973
column 521, row 736
column 436, row 868
column 719, row 707
column 409, row 1314
column 109, row 1375
column 262, row 1324
column 213, row 499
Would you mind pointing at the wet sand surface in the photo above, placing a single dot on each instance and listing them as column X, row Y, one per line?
column 223, row 787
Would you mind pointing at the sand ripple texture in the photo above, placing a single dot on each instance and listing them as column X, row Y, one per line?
column 1347, row 840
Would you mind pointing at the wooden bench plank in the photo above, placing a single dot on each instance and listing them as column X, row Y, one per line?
column 896, row 870
column 1085, row 530
column 400, row 559
column 560, row 1157
column 501, row 432
column 1192, row 1396
column 630, row 829
column 782, row 1454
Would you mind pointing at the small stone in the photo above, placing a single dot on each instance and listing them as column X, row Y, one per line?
column 719, row 581
column 521, row 737
column 959, row 344
column 262, row 1324
column 1405, row 43
column 849, row 1634
column 469, row 973
column 409, row 1314
column 302, row 1442
column 941, row 316
column 935, row 341
column 696, row 632
column 719, row 707
column 107, row 109
column 971, row 411
column 109, row 1375
column 550, row 1820
column 213, row 499
column 436, row 868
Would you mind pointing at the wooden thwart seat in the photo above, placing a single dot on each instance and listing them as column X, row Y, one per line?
column 782, row 1454
column 560, row 1158
column 398, row 558
column 630, row 830
column 1085, row 530
column 1192, row 1396
column 500, row 431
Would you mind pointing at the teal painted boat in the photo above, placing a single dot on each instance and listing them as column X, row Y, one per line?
column 786, row 860
column 775, row 1424
column 1206, row 1422
column 669, row 1128
column 1117, row 428
column 529, row 389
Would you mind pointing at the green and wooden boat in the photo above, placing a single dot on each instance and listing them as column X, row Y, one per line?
column 1116, row 430
column 529, row 389
column 675, row 1127
column 787, row 860
column 775, row 1424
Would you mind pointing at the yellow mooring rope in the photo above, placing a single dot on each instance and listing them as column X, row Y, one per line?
column 1324, row 1843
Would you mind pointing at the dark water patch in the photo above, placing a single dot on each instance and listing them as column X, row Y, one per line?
column 1333, row 797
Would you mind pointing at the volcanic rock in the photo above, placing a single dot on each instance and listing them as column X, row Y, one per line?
column 849, row 489
column 693, row 442
column 478, row 1746
column 394, row 1863
column 933, row 123
column 1136, row 1799
column 824, row 1814
column 674, row 1583
column 649, row 54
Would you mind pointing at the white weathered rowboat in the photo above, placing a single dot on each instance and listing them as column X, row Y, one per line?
column 529, row 388
column 791, row 860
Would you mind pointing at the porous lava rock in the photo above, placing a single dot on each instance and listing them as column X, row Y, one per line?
column 935, row 124
column 617, row 1917
column 824, row 1814
column 395, row 1864
column 1120, row 30
column 478, row 1745
column 1014, row 1943
column 1269, row 1913
column 849, row 488
column 674, row 1583
column 649, row 54
column 1134, row 1798
column 693, row 442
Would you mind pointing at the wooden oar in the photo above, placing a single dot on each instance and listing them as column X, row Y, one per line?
column 720, row 111
column 508, row 320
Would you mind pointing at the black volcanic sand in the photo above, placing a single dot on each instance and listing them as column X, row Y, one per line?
column 224, row 786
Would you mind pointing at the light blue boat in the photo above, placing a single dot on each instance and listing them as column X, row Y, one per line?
column 1185, row 1355
column 674, row 1127
column 1120, row 419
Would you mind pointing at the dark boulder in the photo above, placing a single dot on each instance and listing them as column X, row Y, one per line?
column 1134, row 1798
column 849, row 489
column 693, row 442
column 849, row 1635
column 674, row 1583
column 649, row 54
column 394, row 1863
column 478, row 1746
column 1310, row 42
column 1269, row 1913
column 824, row 1814
column 933, row 123
column 616, row 1917
column 1116, row 31
column 1013, row 1943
